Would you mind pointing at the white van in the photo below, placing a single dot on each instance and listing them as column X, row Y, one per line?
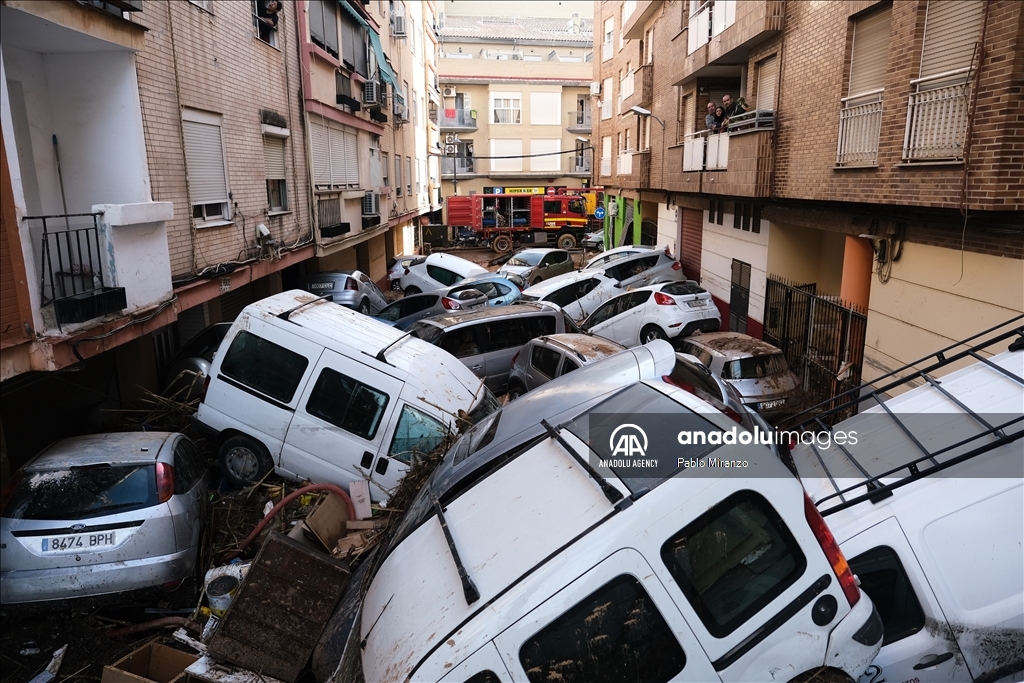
column 519, row 561
column 930, row 512
column 316, row 391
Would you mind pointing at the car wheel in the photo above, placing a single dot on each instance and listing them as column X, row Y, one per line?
column 566, row 240
column 364, row 307
column 396, row 285
column 412, row 289
column 537, row 280
column 515, row 391
column 244, row 461
column 501, row 244
column 650, row 333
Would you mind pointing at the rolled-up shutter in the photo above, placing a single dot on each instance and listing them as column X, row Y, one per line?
column 767, row 77
column 320, row 148
column 951, row 31
column 204, row 156
column 337, row 140
column 870, row 52
column 316, row 21
column 351, row 157
column 273, row 158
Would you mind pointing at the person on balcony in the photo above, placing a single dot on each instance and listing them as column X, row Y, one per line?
column 713, row 120
column 720, row 121
column 733, row 108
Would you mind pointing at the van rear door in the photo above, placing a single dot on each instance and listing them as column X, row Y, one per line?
column 339, row 425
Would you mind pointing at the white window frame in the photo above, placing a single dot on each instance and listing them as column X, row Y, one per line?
column 272, row 31
column 607, row 49
column 281, row 134
column 512, row 103
column 208, row 217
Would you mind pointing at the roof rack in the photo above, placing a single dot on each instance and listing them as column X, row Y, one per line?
column 819, row 418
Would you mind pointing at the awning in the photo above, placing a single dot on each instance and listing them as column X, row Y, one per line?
column 355, row 15
column 386, row 74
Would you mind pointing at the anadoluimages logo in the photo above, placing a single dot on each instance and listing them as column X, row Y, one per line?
column 628, row 440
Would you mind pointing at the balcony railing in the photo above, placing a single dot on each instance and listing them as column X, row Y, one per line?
column 457, row 166
column 73, row 267
column 457, row 118
column 693, row 151
column 699, row 28
column 723, row 15
column 606, row 166
column 580, row 164
column 579, row 121
column 937, row 118
column 860, row 121
column 707, row 151
column 606, row 107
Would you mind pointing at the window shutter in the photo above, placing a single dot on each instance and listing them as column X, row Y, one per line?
column 870, row 52
column 351, row 159
column 273, row 158
column 330, row 28
column 337, row 140
column 204, row 154
column 321, row 149
column 316, row 21
column 767, row 77
column 689, row 116
column 951, row 31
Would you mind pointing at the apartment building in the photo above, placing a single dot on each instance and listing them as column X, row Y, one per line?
column 367, row 76
column 515, row 110
column 864, row 211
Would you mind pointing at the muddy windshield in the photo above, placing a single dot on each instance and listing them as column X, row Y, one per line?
column 82, row 492
column 756, row 367
column 526, row 259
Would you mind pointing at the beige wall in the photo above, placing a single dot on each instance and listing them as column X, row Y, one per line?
column 522, row 8
column 929, row 304
column 805, row 255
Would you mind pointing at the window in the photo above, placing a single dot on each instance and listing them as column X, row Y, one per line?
column 408, row 175
column 716, row 212
column 205, row 165
column 545, row 360
column 552, row 159
column 512, row 150
column 189, row 466
column 860, row 118
column 733, row 560
column 398, row 175
column 739, row 296
column 353, row 45
column 460, row 343
column 264, row 366
column 568, row 366
column 609, row 31
column 323, row 25
column 755, row 367
column 335, row 156
column 385, row 169
column 685, row 116
column 273, row 161
column 607, row 97
column 885, row 581
column 614, row 634
column 347, row 403
column 940, row 96
column 767, row 79
column 747, row 216
column 443, row 275
column 416, row 434
column 570, row 293
column 606, row 155
column 545, row 108
column 265, row 17
column 81, row 493
column 506, row 107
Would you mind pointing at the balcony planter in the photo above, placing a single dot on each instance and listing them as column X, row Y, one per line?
column 79, row 308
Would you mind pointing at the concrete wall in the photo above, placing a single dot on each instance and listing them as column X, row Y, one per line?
column 721, row 244
column 805, row 255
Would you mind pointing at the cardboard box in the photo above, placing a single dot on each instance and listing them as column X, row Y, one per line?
column 327, row 520
column 151, row 663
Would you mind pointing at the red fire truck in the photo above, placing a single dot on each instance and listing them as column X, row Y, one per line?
column 501, row 220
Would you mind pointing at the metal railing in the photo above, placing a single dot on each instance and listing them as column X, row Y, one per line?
column 693, row 151
column 606, row 165
column 706, row 151
column 937, row 117
column 699, row 28
column 625, row 163
column 579, row 119
column 757, row 119
column 452, row 166
column 860, row 121
column 462, row 118
column 606, row 107
column 580, row 164
column 70, row 256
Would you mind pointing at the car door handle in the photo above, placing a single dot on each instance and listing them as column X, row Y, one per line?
column 382, row 466
column 928, row 661
column 367, row 459
column 476, row 367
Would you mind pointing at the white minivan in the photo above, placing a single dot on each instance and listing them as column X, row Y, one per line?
column 525, row 559
column 316, row 391
column 927, row 502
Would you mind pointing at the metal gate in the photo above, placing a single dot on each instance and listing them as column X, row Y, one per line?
column 821, row 337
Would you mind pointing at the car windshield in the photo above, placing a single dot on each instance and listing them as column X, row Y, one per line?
column 82, row 492
column 486, row 406
column 391, row 312
column 682, row 288
column 526, row 258
column 755, row 367
column 429, row 333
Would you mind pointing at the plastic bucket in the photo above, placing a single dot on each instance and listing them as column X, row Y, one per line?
column 219, row 592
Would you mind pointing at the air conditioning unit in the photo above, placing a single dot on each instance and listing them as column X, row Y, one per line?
column 398, row 26
column 450, row 139
column 371, row 204
column 401, row 112
column 595, row 88
column 371, row 93
column 449, row 91
column 450, row 149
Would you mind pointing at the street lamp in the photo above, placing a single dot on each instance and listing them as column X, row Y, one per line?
column 640, row 111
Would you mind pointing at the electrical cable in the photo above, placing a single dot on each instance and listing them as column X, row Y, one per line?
column 130, row 323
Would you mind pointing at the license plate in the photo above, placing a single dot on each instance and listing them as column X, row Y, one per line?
column 768, row 405
column 699, row 303
column 77, row 542
column 318, row 286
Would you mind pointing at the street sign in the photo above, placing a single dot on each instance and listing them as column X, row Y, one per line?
column 599, row 213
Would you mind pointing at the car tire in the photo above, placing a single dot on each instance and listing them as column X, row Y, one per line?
column 650, row 333
column 566, row 240
column 244, row 461
column 412, row 289
column 396, row 285
column 515, row 391
column 364, row 307
column 536, row 281
column 502, row 244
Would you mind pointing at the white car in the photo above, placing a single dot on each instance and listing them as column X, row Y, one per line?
column 396, row 268
column 666, row 311
column 437, row 271
column 580, row 293
column 617, row 253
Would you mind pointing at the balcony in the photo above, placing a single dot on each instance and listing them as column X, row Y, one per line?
column 635, row 169
column 937, row 118
column 860, row 122
column 645, row 9
column 643, row 88
column 457, row 120
column 451, row 168
column 723, row 32
column 579, row 121
column 580, row 165
column 735, row 162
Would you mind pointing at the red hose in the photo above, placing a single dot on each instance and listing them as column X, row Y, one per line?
column 277, row 508
column 156, row 623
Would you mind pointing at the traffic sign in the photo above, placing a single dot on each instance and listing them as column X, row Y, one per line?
column 599, row 213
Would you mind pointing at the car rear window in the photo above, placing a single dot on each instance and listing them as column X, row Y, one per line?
column 83, row 492
column 265, row 366
column 755, row 367
column 429, row 333
column 681, row 288
column 733, row 560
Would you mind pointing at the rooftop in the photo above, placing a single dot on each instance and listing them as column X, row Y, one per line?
column 499, row 29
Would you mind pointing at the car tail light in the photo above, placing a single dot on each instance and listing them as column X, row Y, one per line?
column 663, row 299
column 5, row 496
column 827, row 541
column 450, row 304
column 351, row 285
column 164, row 482
column 668, row 252
column 676, row 265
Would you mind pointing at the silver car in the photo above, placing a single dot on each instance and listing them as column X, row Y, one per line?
column 545, row 358
column 103, row 514
column 755, row 368
column 537, row 265
column 351, row 288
